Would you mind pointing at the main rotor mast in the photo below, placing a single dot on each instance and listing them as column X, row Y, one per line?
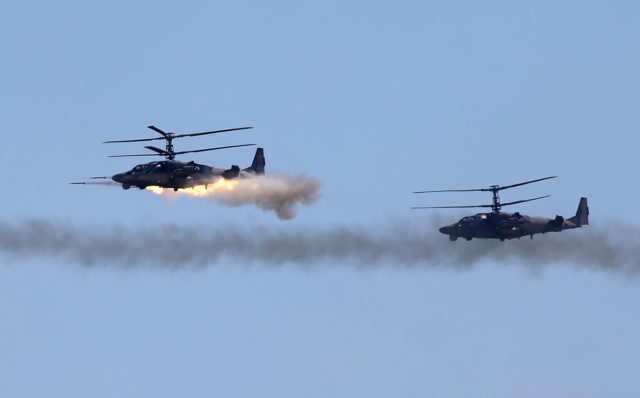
column 169, row 147
column 496, row 198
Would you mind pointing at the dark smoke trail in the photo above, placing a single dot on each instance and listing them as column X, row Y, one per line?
column 613, row 248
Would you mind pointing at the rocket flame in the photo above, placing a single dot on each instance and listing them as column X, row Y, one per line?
column 155, row 189
column 278, row 193
column 217, row 186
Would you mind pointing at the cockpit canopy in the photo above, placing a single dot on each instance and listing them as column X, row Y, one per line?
column 143, row 168
column 472, row 220
column 160, row 166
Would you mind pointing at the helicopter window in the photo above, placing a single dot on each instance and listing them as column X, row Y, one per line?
column 466, row 220
column 138, row 168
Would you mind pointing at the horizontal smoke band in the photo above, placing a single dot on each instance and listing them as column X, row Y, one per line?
column 610, row 248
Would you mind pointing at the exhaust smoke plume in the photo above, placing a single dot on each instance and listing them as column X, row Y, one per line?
column 278, row 193
column 613, row 248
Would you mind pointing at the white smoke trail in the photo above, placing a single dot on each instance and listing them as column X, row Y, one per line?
column 278, row 193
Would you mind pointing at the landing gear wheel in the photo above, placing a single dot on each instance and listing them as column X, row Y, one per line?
column 453, row 238
column 126, row 186
column 468, row 238
column 175, row 189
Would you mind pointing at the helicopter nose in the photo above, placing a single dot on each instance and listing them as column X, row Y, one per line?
column 447, row 230
column 118, row 177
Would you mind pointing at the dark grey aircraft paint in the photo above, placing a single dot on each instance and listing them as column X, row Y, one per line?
column 175, row 174
column 501, row 225
column 171, row 173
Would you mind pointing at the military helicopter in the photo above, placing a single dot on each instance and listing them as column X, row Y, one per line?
column 501, row 225
column 171, row 173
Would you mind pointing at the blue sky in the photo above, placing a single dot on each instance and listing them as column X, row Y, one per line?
column 373, row 99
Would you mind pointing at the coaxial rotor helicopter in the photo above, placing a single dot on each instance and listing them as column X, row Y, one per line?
column 502, row 225
column 171, row 173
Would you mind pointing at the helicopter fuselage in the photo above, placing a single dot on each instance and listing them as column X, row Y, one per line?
column 175, row 174
column 502, row 225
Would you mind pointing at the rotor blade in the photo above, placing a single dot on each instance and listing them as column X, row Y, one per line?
column 138, row 140
column 212, row 149
column 449, row 207
column 165, row 135
column 142, row 154
column 453, row 190
column 211, row 132
column 488, row 189
column 522, row 201
column 157, row 130
column 524, row 183
column 158, row 150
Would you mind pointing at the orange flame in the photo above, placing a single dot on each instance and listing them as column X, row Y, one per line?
column 219, row 185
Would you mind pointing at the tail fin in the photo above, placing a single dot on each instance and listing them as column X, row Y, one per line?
column 257, row 167
column 582, row 215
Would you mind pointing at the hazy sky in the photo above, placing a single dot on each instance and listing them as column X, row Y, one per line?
column 375, row 100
